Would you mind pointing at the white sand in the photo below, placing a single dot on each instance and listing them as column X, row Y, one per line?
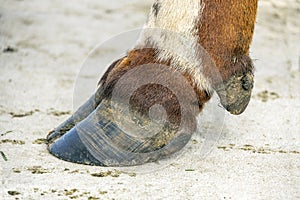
column 257, row 156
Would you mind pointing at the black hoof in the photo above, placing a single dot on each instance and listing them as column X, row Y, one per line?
column 69, row 147
column 98, row 140
column 82, row 112
column 124, row 127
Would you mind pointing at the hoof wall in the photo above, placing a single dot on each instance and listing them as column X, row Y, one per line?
column 69, row 147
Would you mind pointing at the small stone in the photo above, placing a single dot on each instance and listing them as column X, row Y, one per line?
column 13, row 193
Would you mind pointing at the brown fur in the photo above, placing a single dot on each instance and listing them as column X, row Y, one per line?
column 226, row 31
column 150, row 94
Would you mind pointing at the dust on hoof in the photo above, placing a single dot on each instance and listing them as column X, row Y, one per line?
column 235, row 93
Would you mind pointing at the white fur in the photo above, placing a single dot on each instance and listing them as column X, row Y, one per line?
column 173, row 32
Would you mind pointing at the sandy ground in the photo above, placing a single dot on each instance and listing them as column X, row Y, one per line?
column 43, row 44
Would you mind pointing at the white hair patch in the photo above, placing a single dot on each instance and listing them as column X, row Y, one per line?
column 172, row 28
